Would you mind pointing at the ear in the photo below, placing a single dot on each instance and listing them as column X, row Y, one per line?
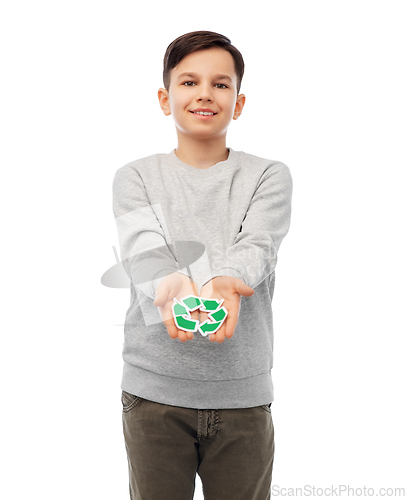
column 239, row 105
column 163, row 96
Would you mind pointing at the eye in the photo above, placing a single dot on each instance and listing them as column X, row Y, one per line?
column 224, row 86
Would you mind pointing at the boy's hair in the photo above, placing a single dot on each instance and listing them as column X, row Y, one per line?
column 198, row 40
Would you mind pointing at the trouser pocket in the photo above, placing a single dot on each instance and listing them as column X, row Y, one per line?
column 129, row 401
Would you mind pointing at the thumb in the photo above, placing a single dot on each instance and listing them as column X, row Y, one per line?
column 162, row 296
column 159, row 301
column 244, row 289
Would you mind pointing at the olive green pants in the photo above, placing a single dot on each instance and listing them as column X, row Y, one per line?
column 232, row 450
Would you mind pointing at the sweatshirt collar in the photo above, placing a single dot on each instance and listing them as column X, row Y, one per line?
column 232, row 160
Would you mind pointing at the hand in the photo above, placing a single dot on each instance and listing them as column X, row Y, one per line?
column 175, row 285
column 230, row 289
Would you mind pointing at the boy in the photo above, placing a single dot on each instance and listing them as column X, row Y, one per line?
column 207, row 221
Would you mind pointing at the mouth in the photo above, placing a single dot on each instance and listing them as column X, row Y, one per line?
column 203, row 117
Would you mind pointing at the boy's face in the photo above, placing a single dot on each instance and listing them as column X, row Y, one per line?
column 205, row 89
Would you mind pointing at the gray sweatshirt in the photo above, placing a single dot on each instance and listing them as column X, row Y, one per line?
column 228, row 219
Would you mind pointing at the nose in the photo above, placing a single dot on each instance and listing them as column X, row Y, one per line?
column 204, row 93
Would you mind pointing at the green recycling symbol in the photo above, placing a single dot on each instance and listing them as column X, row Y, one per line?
column 183, row 320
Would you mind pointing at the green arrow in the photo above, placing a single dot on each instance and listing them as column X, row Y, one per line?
column 211, row 327
column 186, row 324
column 192, row 302
column 178, row 309
column 219, row 315
column 208, row 327
column 211, row 304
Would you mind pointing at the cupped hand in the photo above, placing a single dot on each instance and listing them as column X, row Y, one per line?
column 179, row 286
column 230, row 289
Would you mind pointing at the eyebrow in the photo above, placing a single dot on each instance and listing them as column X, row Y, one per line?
column 217, row 77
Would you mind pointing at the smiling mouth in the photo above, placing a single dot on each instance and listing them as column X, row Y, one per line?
column 203, row 115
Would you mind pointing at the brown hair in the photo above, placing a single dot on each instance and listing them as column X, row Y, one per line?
column 198, row 40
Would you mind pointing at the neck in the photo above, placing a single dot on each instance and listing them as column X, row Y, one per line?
column 202, row 154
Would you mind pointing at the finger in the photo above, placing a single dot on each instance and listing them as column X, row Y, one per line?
column 160, row 300
column 203, row 316
column 220, row 334
column 166, row 312
column 244, row 289
column 172, row 330
column 162, row 295
column 182, row 336
column 231, row 321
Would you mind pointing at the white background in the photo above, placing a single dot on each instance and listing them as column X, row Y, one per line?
column 324, row 84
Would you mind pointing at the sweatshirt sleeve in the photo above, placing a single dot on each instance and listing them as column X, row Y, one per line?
column 253, row 255
column 145, row 254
